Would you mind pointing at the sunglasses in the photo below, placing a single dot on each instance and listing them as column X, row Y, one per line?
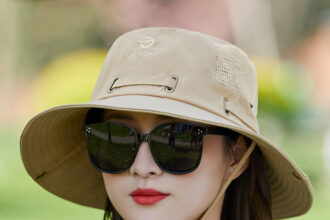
column 176, row 147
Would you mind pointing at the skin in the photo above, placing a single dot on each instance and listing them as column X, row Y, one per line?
column 189, row 194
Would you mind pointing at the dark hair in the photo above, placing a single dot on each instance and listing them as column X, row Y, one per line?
column 247, row 197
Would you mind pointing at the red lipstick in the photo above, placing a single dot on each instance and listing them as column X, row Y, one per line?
column 147, row 196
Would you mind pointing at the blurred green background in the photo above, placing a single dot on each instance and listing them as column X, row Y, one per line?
column 46, row 45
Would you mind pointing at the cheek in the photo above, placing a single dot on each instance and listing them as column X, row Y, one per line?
column 199, row 188
column 214, row 161
column 114, row 185
column 213, row 166
column 214, row 156
column 107, row 180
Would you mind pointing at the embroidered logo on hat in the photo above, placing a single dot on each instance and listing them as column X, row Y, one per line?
column 146, row 42
column 145, row 48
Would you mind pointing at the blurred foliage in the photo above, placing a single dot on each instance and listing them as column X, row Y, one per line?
column 317, row 13
column 285, row 91
column 68, row 79
column 22, row 198
column 295, row 20
column 46, row 30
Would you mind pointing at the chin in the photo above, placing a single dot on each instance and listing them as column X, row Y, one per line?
column 155, row 212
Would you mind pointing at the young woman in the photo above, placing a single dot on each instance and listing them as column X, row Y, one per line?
column 171, row 133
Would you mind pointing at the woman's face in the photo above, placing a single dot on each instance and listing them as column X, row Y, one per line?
column 187, row 196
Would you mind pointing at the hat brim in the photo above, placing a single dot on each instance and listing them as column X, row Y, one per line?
column 54, row 153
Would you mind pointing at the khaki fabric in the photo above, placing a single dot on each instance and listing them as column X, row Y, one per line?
column 167, row 71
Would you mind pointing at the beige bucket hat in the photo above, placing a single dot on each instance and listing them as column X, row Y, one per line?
column 166, row 71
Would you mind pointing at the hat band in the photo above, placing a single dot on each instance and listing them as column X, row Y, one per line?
column 218, row 100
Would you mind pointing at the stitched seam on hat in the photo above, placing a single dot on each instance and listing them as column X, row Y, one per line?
column 241, row 120
column 179, row 100
column 53, row 167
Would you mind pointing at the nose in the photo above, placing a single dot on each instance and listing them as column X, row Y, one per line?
column 144, row 164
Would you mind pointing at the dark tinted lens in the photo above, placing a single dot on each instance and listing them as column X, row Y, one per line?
column 111, row 146
column 177, row 147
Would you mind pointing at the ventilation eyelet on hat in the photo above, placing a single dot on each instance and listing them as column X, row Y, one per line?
column 227, row 112
column 112, row 88
column 171, row 89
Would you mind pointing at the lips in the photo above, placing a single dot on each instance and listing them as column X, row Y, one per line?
column 147, row 196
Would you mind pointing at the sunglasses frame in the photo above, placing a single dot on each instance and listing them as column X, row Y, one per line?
column 139, row 138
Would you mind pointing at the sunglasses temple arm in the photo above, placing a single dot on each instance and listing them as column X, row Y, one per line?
column 230, row 179
column 109, row 133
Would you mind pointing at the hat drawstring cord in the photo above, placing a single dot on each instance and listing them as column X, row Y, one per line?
column 230, row 179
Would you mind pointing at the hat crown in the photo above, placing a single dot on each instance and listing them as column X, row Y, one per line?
column 144, row 61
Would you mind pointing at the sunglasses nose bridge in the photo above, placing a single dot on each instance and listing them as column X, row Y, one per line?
column 144, row 163
column 143, row 137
